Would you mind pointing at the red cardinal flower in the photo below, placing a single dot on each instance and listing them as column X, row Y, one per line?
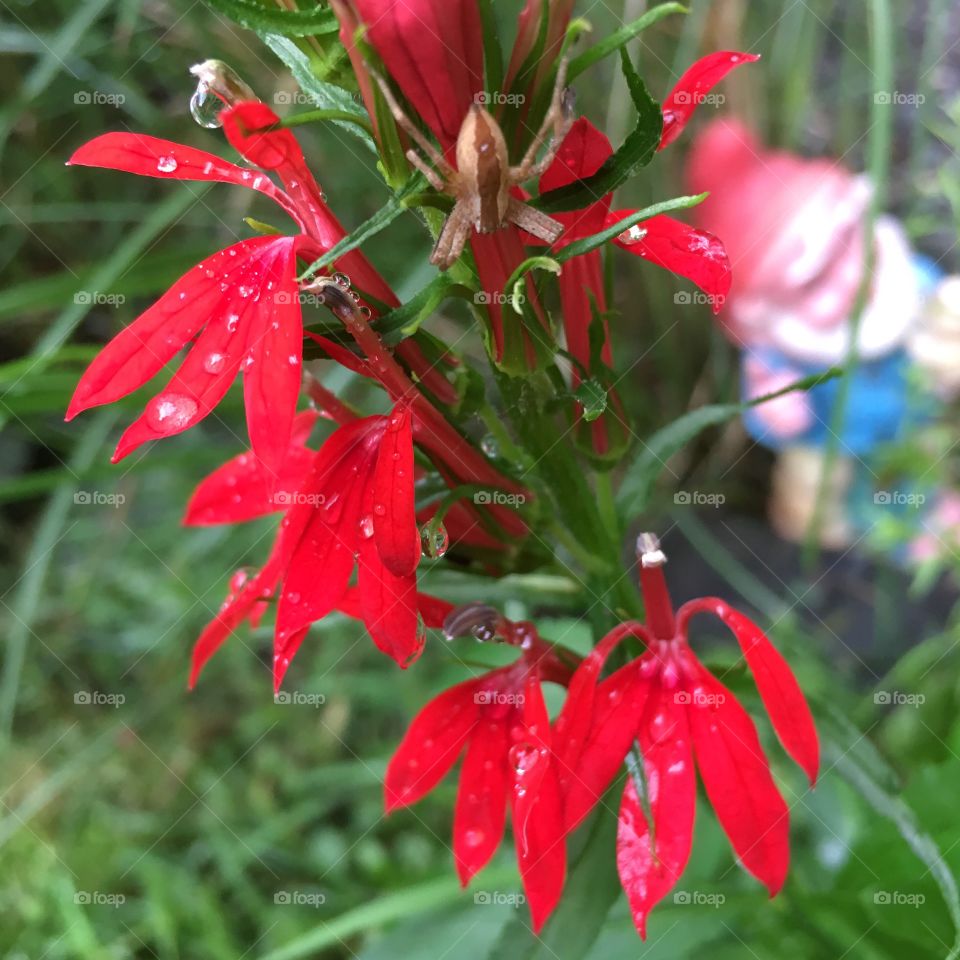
column 349, row 506
column 501, row 720
column 681, row 715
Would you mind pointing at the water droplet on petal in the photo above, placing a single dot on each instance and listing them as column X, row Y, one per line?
column 434, row 541
column 634, row 235
column 214, row 362
column 205, row 107
column 489, row 446
column 171, row 412
column 341, row 280
column 166, row 164
column 523, row 758
column 473, row 838
column 232, row 320
column 366, row 527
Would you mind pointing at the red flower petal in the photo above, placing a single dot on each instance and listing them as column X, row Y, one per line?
column 693, row 86
column 538, row 826
column 389, row 607
column 339, row 353
column 230, row 318
column 695, row 254
column 651, row 864
column 481, row 809
column 737, row 779
column 320, row 567
column 421, row 41
column 778, row 687
column 394, row 513
column 152, row 157
column 431, row 745
column 243, row 489
column 271, row 371
column 244, row 127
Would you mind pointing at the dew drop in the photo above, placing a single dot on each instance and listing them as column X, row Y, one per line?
column 214, row 362
column 379, row 509
column 205, row 107
column 166, row 164
column 293, row 359
column 489, row 446
column 170, row 412
column 366, row 527
column 434, row 541
column 232, row 320
column 473, row 838
column 634, row 235
column 341, row 280
column 244, row 291
column 523, row 758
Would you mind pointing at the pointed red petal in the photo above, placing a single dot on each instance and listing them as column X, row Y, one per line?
column 245, row 127
column 481, row 809
column 230, row 316
column 651, row 864
column 781, row 694
column 737, row 779
column 271, row 371
column 422, row 40
column 693, row 86
column 431, row 745
column 341, row 354
column 394, row 515
column 243, row 488
column 152, row 157
column 538, row 809
column 695, row 254
column 389, row 607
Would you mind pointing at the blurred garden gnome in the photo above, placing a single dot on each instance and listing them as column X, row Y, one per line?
column 794, row 230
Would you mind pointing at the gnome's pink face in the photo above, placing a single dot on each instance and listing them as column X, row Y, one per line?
column 792, row 228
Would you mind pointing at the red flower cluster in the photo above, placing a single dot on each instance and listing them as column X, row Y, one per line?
column 666, row 701
column 349, row 537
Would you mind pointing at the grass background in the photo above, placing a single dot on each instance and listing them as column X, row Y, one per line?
column 221, row 824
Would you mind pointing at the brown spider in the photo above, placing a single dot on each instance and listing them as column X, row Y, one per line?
column 482, row 180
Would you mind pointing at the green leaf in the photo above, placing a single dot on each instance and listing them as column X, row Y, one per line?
column 327, row 96
column 619, row 38
column 592, row 888
column 593, row 397
column 406, row 319
column 289, row 23
column 515, row 282
column 579, row 247
column 389, row 212
column 666, row 442
column 635, row 152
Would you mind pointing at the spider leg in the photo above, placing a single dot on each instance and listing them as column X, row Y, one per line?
column 559, row 118
column 436, row 181
column 533, row 221
column 452, row 237
column 407, row 124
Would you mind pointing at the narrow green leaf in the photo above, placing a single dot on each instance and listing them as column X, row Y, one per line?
column 343, row 110
column 579, row 247
column 379, row 221
column 289, row 23
column 619, row 38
